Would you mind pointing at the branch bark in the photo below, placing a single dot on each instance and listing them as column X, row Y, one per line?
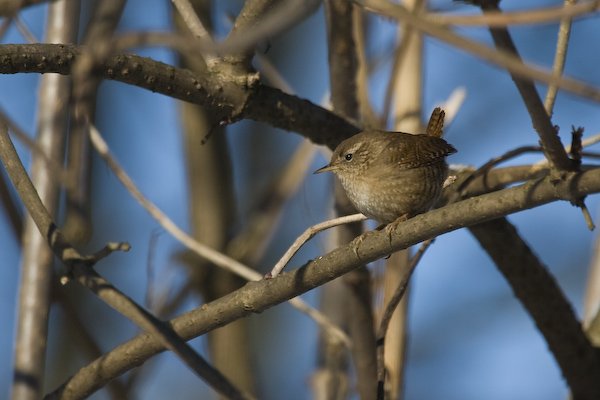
column 229, row 100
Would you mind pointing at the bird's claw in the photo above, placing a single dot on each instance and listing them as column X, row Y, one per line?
column 356, row 243
column 391, row 227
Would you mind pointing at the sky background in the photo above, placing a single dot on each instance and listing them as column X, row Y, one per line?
column 469, row 337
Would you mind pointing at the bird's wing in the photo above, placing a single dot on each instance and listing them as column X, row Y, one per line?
column 412, row 151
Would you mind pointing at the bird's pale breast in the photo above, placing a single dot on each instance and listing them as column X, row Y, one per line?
column 400, row 192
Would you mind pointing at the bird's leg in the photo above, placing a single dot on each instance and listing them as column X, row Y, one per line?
column 389, row 229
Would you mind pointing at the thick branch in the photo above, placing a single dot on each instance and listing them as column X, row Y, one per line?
column 541, row 296
column 228, row 99
column 258, row 296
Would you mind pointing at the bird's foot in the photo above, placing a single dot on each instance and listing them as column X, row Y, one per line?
column 391, row 227
column 356, row 242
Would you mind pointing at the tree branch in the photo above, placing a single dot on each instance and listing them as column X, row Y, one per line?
column 37, row 259
column 80, row 267
column 543, row 299
column 256, row 297
column 547, row 132
column 229, row 100
column 9, row 8
column 501, row 58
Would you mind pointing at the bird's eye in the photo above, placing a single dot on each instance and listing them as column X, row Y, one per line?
column 348, row 157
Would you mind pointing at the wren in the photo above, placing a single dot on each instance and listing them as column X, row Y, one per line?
column 391, row 175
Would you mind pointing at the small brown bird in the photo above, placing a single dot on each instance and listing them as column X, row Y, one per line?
column 391, row 175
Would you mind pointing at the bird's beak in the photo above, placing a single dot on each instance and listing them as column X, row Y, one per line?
column 326, row 168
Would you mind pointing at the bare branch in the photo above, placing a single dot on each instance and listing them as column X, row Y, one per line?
column 548, row 133
column 228, row 100
column 529, row 17
column 389, row 311
column 250, row 18
column 307, row 235
column 564, row 32
column 36, row 262
column 544, row 301
column 204, row 251
column 8, row 8
column 279, row 18
column 503, row 59
column 255, row 297
column 80, row 267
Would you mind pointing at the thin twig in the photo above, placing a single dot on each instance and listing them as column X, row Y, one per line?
column 307, row 235
column 195, row 25
column 276, row 16
column 493, row 162
column 80, row 267
column 389, row 312
column 250, row 243
column 55, row 168
column 24, row 29
column 548, row 133
column 83, row 335
column 564, row 32
column 529, row 17
column 399, row 55
column 202, row 250
column 501, row 58
column 584, row 143
column 366, row 113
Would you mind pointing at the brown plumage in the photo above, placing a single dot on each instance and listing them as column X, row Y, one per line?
column 388, row 175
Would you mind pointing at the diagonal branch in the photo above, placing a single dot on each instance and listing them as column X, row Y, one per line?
column 217, row 258
column 544, row 301
column 501, row 58
column 81, row 268
column 550, row 141
column 560, row 56
column 8, row 8
column 228, row 100
column 256, row 297
column 527, row 17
